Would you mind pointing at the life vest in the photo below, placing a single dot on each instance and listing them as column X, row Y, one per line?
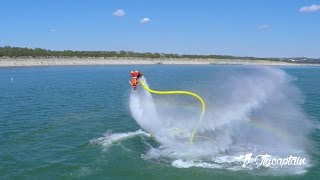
column 134, row 81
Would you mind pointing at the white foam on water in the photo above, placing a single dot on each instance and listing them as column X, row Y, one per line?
column 234, row 163
column 187, row 164
column 256, row 111
column 110, row 138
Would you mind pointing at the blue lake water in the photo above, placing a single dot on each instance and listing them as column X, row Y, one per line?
column 76, row 122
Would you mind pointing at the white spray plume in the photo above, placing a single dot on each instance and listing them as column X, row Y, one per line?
column 255, row 110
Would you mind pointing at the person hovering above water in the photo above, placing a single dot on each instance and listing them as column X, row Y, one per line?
column 135, row 75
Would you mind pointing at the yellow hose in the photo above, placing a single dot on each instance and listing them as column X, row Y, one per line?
column 181, row 92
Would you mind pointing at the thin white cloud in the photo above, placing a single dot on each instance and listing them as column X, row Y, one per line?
column 52, row 30
column 263, row 26
column 119, row 13
column 145, row 20
column 309, row 9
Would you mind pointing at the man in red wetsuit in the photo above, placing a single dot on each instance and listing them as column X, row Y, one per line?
column 135, row 75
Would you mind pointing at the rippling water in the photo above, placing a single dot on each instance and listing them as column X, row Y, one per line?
column 75, row 122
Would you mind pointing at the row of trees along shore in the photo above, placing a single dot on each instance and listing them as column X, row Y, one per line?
column 13, row 52
column 18, row 52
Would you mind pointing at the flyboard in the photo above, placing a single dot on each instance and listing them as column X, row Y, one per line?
column 203, row 105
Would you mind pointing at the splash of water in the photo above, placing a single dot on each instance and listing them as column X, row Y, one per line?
column 252, row 111
column 110, row 138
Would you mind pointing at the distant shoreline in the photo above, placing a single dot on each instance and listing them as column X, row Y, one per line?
column 21, row 62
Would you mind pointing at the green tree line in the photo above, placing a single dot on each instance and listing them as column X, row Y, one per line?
column 15, row 52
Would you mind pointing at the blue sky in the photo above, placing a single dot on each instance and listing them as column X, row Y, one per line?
column 271, row 28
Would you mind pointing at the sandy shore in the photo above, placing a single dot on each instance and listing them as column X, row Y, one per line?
column 118, row 61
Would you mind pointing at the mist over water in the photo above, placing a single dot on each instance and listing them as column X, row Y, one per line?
column 254, row 111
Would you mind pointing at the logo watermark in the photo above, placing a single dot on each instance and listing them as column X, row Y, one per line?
column 267, row 160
